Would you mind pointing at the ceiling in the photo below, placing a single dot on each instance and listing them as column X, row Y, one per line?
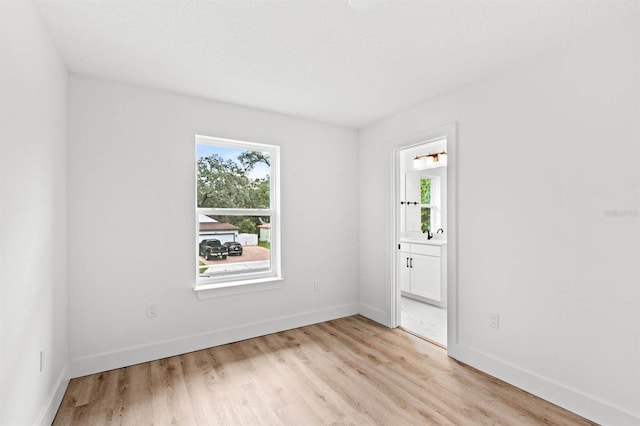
column 320, row 59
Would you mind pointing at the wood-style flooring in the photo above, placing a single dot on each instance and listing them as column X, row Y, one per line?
column 347, row 371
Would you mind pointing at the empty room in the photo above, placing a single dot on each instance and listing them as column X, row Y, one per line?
column 309, row 212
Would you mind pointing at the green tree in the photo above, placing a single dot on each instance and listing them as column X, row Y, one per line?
column 247, row 226
column 249, row 159
column 222, row 184
column 425, row 191
column 226, row 184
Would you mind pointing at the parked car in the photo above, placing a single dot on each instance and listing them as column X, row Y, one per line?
column 212, row 248
column 233, row 248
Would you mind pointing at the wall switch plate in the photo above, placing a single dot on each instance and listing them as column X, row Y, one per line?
column 316, row 286
column 494, row 320
column 152, row 310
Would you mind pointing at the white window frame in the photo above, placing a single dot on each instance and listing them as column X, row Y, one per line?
column 434, row 206
column 250, row 281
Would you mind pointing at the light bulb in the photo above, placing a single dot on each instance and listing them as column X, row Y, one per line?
column 442, row 157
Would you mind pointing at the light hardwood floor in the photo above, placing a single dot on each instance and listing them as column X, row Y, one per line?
column 347, row 371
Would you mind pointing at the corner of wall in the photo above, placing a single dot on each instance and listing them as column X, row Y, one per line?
column 374, row 314
column 570, row 399
column 53, row 401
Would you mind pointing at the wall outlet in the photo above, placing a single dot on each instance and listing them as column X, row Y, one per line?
column 152, row 310
column 42, row 360
column 494, row 320
column 316, row 286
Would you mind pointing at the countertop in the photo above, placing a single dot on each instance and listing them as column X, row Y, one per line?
column 432, row 242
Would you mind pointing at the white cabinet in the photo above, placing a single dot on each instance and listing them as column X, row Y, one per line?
column 422, row 272
column 426, row 280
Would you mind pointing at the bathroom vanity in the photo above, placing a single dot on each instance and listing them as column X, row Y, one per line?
column 422, row 269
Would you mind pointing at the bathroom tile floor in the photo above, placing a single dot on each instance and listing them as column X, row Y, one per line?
column 425, row 320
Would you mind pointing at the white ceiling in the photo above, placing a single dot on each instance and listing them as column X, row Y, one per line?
column 319, row 59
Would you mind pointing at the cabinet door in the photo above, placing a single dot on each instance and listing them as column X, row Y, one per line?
column 404, row 272
column 426, row 277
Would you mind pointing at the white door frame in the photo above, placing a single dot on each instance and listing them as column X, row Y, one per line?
column 450, row 132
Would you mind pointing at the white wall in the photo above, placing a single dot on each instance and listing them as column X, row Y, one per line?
column 33, row 132
column 544, row 151
column 131, row 158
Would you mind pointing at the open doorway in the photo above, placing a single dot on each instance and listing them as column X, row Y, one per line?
column 425, row 288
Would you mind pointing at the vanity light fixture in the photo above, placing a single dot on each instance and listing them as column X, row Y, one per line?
column 430, row 160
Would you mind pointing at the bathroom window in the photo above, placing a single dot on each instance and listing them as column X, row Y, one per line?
column 426, row 207
column 431, row 202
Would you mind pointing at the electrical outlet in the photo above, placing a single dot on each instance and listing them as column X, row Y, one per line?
column 316, row 286
column 42, row 360
column 494, row 320
column 152, row 310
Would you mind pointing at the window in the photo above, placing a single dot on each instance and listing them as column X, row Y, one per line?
column 430, row 211
column 237, row 215
column 426, row 207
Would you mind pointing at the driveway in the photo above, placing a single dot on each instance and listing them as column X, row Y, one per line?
column 250, row 254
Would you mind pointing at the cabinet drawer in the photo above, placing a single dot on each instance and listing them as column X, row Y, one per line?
column 425, row 249
column 405, row 247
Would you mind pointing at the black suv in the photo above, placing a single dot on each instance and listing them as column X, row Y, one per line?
column 212, row 248
column 233, row 247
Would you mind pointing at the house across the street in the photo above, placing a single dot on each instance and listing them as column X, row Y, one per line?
column 211, row 228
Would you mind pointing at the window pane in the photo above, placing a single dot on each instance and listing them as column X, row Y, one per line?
column 425, row 191
column 425, row 218
column 233, row 245
column 232, row 177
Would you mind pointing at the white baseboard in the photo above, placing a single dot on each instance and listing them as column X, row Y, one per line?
column 138, row 354
column 50, row 408
column 374, row 314
column 570, row 399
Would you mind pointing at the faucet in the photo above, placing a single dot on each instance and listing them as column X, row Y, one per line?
column 429, row 234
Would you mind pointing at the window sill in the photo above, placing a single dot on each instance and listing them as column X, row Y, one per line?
column 209, row 291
